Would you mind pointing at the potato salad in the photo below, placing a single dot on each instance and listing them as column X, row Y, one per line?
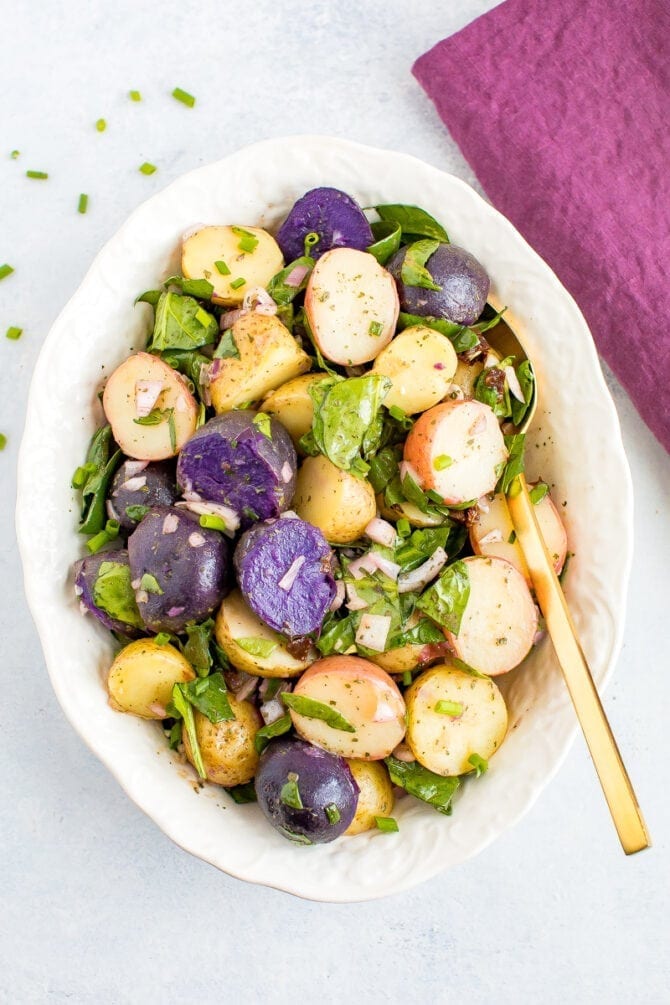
column 297, row 522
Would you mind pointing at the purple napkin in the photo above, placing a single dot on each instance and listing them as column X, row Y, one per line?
column 563, row 111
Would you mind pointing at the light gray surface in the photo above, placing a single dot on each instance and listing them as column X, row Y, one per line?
column 97, row 905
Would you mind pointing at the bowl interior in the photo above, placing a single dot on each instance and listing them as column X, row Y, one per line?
column 99, row 327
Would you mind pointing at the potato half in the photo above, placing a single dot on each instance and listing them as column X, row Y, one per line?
column 142, row 676
column 228, row 752
column 226, row 246
column 336, row 502
column 421, row 364
column 292, row 405
column 375, row 797
column 235, row 621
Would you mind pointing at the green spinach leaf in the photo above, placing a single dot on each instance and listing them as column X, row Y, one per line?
column 387, row 234
column 210, row 696
column 413, row 221
column 445, row 601
column 266, row 733
column 422, row 783
column 526, row 378
column 461, row 337
column 182, row 323
column 515, row 461
column 98, row 471
column 345, row 422
column 113, row 593
column 281, row 293
column 414, row 271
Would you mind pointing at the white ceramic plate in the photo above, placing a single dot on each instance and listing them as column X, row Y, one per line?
column 575, row 444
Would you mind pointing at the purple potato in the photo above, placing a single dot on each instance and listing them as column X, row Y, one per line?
column 179, row 569
column 323, row 782
column 230, row 460
column 333, row 215
column 463, row 281
column 153, row 485
column 285, row 572
column 102, row 583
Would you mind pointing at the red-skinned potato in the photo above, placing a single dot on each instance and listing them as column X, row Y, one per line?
column 141, row 384
column 351, row 304
column 493, row 534
column 500, row 619
column 456, row 449
column 367, row 698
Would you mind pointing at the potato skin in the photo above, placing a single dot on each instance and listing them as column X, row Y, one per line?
column 462, row 280
column 421, row 363
column 208, row 245
column 228, row 753
column 292, row 405
column 336, row 502
column 375, row 796
column 236, row 620
column 142, row 676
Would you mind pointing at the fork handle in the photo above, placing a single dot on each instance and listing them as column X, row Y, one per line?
column 612, row 773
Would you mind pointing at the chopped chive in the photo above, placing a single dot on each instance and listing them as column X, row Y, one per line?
column 480, row 764
column 14, row 333
column 3, row 441
column 290, row 793
column 147, row 168
column 40, row 175
column 512, row 537
column 442, row 461
column 332, row 813
column 236, row 283
column 97, row 542
column 376, row 328
column 14, row 154
column 403, row 527
column 82, row 205
column 387, row 824
column 80, row 477
column 222, row 268
column 247, row 241
column 136, row 512
column 452, row 708
column 397, row 413
column 134, row 95
column 112, row 528
column 101, row 125
column 5, row 270
column 310, row 240
column 184, row 97
column 407, row 678
column 162, row 638
column 538, row 492
column 212, row 522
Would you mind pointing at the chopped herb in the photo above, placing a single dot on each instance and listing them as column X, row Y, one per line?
column 136, row 512
column 14, row 333
column 250, row 513
column 407, row 678
column 526, row 378
column 174, row 738
column 337, row 635
column 413, row 221
column 247, row 241
column 461, row 337
column 442, row 461
column 480, row 764
column 197, row 647
column 538, row 492
column 210, row 696
column 5, row 270
column 210, row 521
column 134, row 95
column 3, row 441
column 241, row 794
column 155, row 417
column 39, row 175
column 147, row 168
column 451, row 708
column 236, row 283
column 257, row 646
column 113, row 593
column 181, row 707
column 445, row 601
column 227, row 347
column 387, row 236
column 266, row 733
column 98, row 471
column 332, row 813
column 422, row 783
column 82, row 205
column 387, row 824
column 109, row 533
column 184, row 97
column 310, row 241
column 425, row 634
column 347, row 420
column 162, row 638
column 101, row 125
column 376, row 328
column 222, row 268
column 313, row 709
column 512, row 537
column 514, row 466
column 14, row 154
column 262, row 423
column 193, row 287
column 403, row 527
column 414, row 271
column 150, row 584
column 290, row 793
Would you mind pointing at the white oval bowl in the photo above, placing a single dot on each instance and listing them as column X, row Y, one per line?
column 575, row 444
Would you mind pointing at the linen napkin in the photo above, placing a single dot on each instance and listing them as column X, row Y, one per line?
column 563, row 111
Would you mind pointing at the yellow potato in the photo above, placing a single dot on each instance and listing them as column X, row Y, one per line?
column 404, row 657
column 142, row 676
column 421, row 363
column 292, row 405
column 376, row 795
column 228, row 753
column 474, row 719
column 237, row 621
column 336, row 502
column 269, row 356
column 202, row 250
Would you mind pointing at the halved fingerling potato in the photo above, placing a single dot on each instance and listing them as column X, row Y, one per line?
column 269, row 356
column 500, row 618
column 421, row 364
column 336, row 502
column 235, row 621
column 553, row 530
column 226, row 245
column 292, row 405
column 121, row 402
column 352, row 307
column 142, row 676
column 227, row 748
column 367, row 698
column 457, row 449
column 375, row 798
column 471, row 720
column 494, row 535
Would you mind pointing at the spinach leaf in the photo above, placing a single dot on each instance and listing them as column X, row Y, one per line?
column 181, row 708
column 526, row 379
column 181, row 323
column 267, row 733
column 414, row 271
column 461, row 337
column 422, row 783
column 97, row 474
column 413, row 221
column 387, row 234
column 196, row 648
column 210, row 696
column 150, row 297
column 200, row 288
column 113, row 593
column 187, row 361
column 384, row 467
column 241, row 794
column 257, row 646
column 337, row 635
column 515, row 466
column 424, row 633
column 313, row 709
column 380, row 594
column 277, row 287
column 345, row 423
column 491, row 389
column 445, row 601
column 538, row 492
column 421, row 544
column 227, row 347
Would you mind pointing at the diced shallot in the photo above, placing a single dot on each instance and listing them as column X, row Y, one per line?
column 271, row 711
column 513, row 384
column 228, row 515
column 214, row 368
column 354, row 602
column 259, row 300
column 373, row 631
column 418, row 578
column 247, row 687
column 403, row 753
column 296, row 276
column 483, row 504
column 133, row 484
column 494, row 536
column 196, row 540
column 147, row 393
column 381, row 532
column 174, row 612
column 141, row 596
column 157, row 709
column 289, row 577
column 338, row 599
column 230, row 317
column 132, row 468
column 406, row 469
column 289, row 514
column 170, row 523
column 286, row 472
